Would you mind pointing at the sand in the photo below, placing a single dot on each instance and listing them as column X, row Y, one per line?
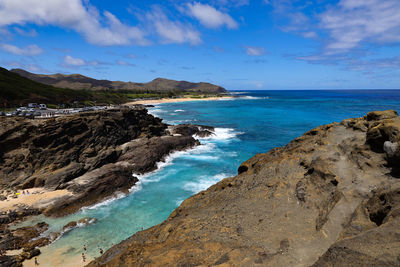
column 37, row 198
column 57, row 258
column 174, row 100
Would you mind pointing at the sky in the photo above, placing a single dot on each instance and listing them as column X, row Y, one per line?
column 237, row 44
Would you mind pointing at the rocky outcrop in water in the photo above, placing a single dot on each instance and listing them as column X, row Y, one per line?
column 329, row 198
column 92, row 155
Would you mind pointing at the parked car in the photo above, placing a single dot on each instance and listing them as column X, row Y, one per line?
column 43, row 106
column 33, row 105
column 2, row 113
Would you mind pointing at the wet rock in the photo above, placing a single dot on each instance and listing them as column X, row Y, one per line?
column 190, row 130
column 9, row 261
column 93, row 154
column 30, row 254
column 69, row 225
column 48, row 153
column 82, row 222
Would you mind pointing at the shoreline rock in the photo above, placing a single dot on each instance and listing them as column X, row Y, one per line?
column 329, row 198
column 91, row 156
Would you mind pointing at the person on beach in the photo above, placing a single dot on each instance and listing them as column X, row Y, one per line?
column 36, row 262
column 84, row 247
column 83, row 257
column 101, row 251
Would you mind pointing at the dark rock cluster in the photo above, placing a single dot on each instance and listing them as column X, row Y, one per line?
column 93, row 155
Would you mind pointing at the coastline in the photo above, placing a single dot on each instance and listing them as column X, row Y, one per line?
column 62, row 202
column 176, row 100
column 35, row 198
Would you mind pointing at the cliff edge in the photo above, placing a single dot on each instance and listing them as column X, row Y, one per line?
column 329, row 198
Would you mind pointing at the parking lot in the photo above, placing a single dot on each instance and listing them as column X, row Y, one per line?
column 41, row 111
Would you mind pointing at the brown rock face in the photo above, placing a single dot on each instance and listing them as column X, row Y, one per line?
column 328, row 198
column 53, row 152
column 92, row 155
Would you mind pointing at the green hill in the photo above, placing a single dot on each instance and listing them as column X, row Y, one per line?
column 77, row 81
column 16, row 90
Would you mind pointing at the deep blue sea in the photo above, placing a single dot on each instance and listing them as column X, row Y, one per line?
column 254, row 122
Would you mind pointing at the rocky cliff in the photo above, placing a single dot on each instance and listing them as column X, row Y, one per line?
column 329, row 198
column 91, row 155
column 77, row 81
column 74, row 161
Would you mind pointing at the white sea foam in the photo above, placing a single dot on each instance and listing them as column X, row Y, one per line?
column 54, row 237
column 179, row 201
column 222, row 134
column 238, row 93
column 202, row 157
column 155, row 111
column 178, row 110
column 174, row 122
column 105, row 202
column 252, row 97
column 149, row 177
column 204, row 182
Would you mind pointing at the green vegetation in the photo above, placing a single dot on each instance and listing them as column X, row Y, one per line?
column 51, row 106
column 16, row 90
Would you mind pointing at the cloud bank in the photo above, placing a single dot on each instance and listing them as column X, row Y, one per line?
column 96, row 28
column 210, row 17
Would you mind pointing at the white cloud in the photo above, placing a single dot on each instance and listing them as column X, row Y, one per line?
column 30, row 50
column 235, row 3
column 254, row 50
column 29, row 33
column 210, row 17
column 310, row 34
column 72, row 14
column 73, row 61
column 5, row 33
column 172, row 31
column 124, row 63
column 353, row 23
column 24, row 65
column 70, row 61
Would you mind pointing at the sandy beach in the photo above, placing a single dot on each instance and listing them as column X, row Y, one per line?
column 174, row 100
column 34, row 197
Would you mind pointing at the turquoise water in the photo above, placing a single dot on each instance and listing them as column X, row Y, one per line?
column 253, row 123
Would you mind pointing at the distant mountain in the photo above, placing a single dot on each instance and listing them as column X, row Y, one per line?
column 77, row 81
column 16, row 89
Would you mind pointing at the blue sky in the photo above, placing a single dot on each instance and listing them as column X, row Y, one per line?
column 238, row 44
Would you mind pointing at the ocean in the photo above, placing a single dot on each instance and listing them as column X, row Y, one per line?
column 254, row 122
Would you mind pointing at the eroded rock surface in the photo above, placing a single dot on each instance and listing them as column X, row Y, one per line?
column 92, row 155
column 329, row 198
